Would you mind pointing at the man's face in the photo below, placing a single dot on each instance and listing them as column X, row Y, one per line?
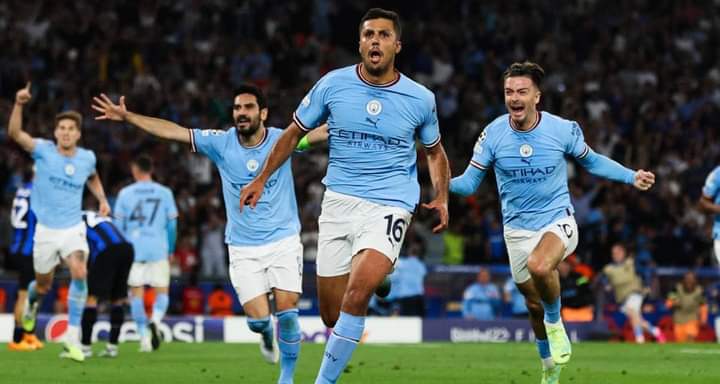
column 378, row 45
column 618, row 254
column 247, row 114
column 483, row 276
column 67, row 133
column 689, row 281
column 521, row 98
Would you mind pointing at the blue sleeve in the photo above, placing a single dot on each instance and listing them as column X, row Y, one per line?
column 467, row 183
column 209, row 142
column 313, row 109
column 171, row 235
column 429, row 131
column 575, row 145
column 605, row 167
column 710, row 189
column 42, row 147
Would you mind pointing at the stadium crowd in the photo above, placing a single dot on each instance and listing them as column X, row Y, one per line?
column 644, row 83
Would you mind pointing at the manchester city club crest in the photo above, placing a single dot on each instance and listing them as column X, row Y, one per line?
column 252, row 165
column 373, row 107
column 69, row 169
column 526, row 150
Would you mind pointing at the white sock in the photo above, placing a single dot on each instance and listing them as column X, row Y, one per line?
column 72, row 335
column 547, row 363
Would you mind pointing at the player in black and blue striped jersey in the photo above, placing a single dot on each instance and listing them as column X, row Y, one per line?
column 23, row 222
column 111, row 256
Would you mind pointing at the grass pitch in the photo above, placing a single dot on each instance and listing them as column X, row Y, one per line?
column 424, row 363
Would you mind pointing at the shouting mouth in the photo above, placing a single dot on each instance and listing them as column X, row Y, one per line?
column 517, row 110
column 375, row 55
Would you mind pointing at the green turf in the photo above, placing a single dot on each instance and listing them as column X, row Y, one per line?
column 373, row 364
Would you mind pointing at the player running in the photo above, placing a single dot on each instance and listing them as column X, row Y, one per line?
column 264, row 244
column 147, row 216
column 111, row 257
column 61, row 172
column 23, row 222
column 527, row 150
column 374, row 114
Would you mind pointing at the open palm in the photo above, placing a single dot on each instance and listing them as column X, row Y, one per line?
column 108, row 109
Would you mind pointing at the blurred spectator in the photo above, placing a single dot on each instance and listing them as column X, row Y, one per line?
column 149, row 300
column 193, row 299
column 481, row 299
column 689, row 309
column 514, row 299
column 628, row 289
column 576, row 294
column 60, row 304
column 3, row 299
column 185, row 258
column 408, row 283
column 220, row 302
column 454, row 244
column 496, row 241
column 212, row 251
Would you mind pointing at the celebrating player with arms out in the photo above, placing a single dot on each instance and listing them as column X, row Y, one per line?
column 147, row 215
column 374, row 114
column 264, row 244
column 527, row 149
column 61, row 172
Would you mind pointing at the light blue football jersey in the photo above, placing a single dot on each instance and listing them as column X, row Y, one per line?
column 372, row 130
column 711, row 190
column 275, row 216
column 59, row 183
column 143, row 210
column 531, row 168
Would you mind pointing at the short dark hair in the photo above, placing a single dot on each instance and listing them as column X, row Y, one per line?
column 379, row 13
column 70, row 115
column 144, row 163
column 253, row 90
column 528, row 69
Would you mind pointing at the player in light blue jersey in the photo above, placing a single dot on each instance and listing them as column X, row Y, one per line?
column 528, row 151
column 374, row 115
column 147, row 215
column 710, row 203
column 264, row 244
column 62, row 170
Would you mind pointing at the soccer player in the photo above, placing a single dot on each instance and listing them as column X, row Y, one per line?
column 710, row 203
column 374, row 113
column 628, row 288
column 61, row 172
column 527, row 149
column 147, row 216
column 264, row 244
column 23, row 222
column 111, row 257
